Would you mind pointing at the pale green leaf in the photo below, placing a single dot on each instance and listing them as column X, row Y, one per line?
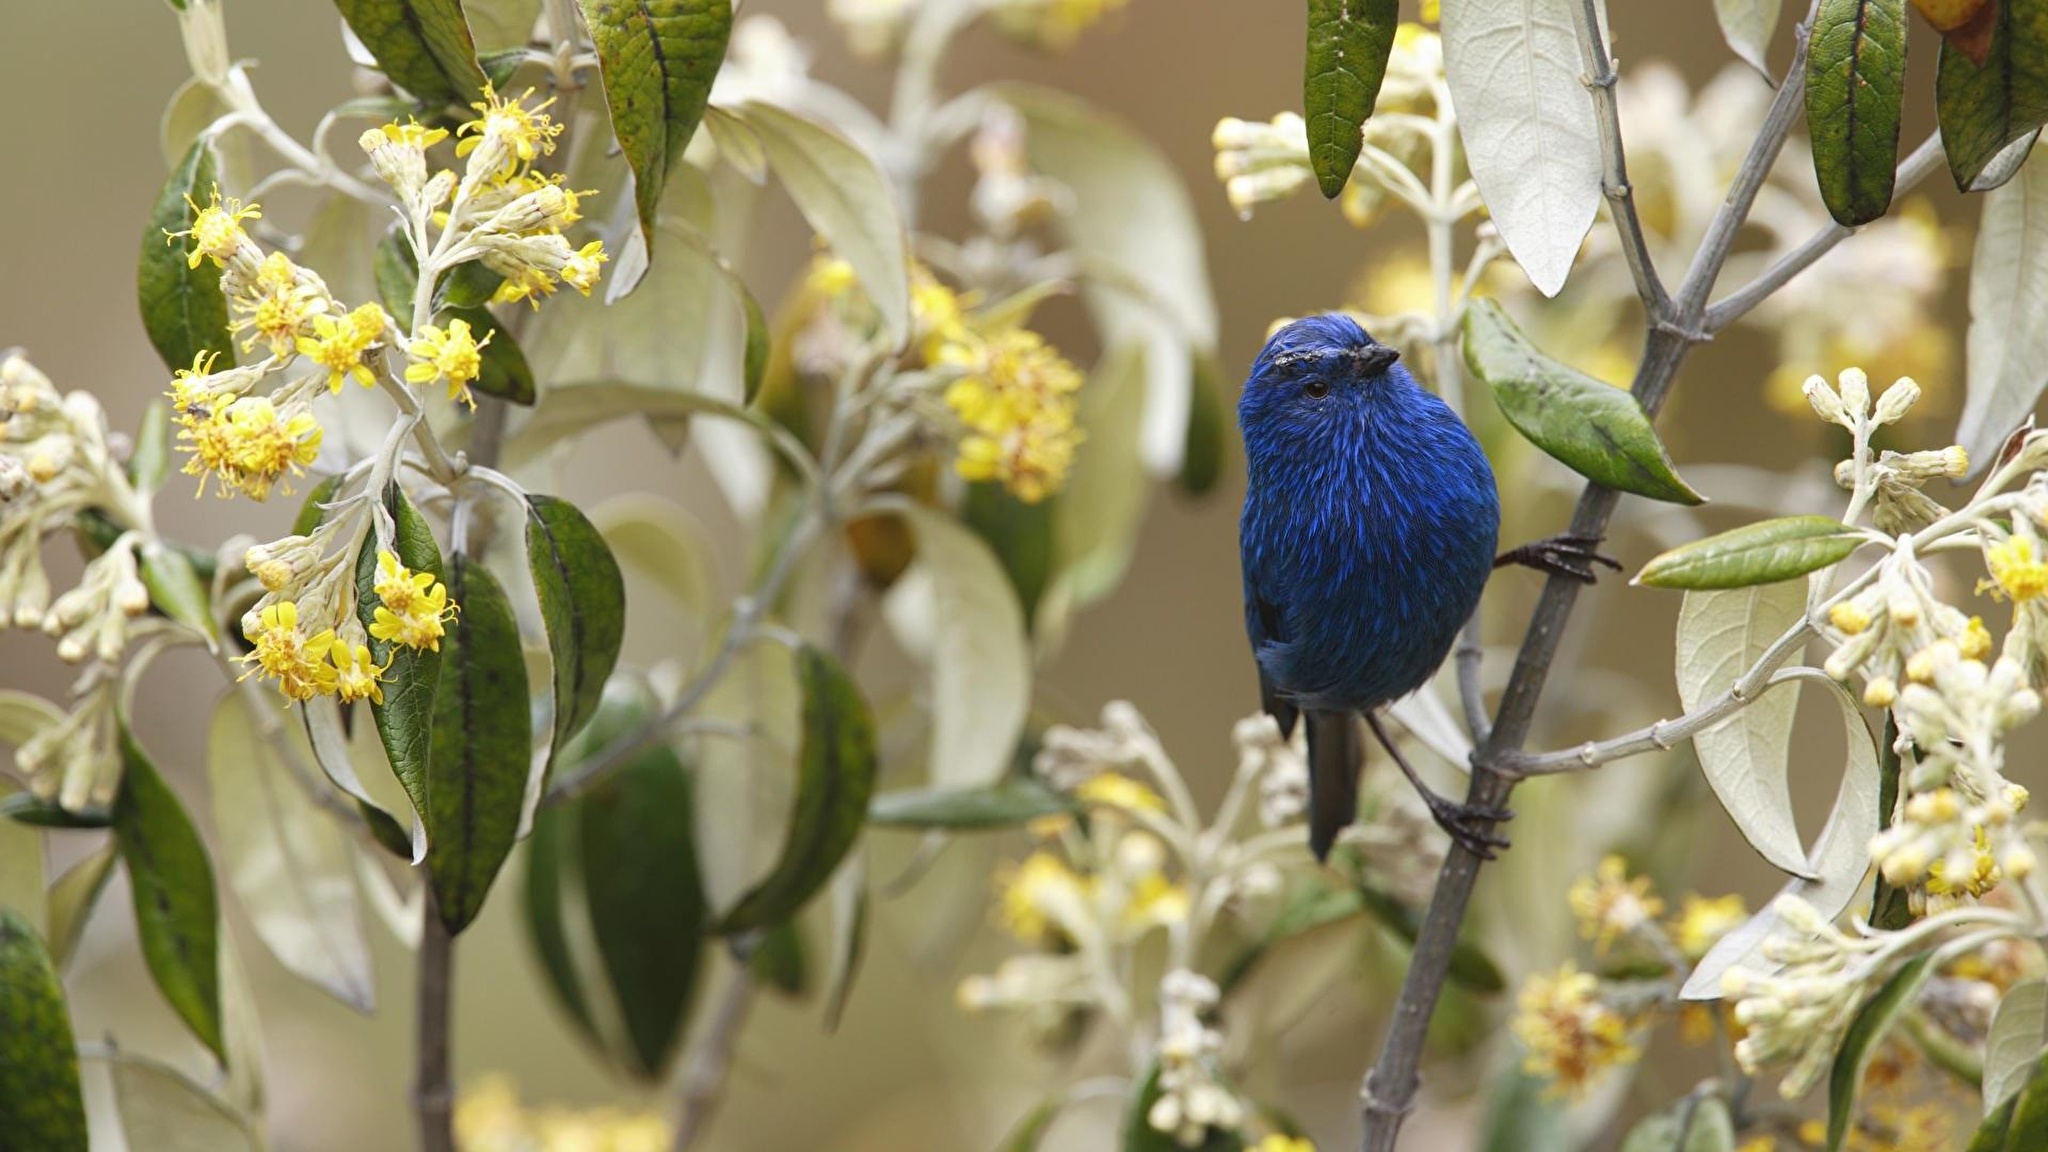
column 1745, row 758
column 287, row 861
column 177, row 917
column 163, row 1111
column 21, row 869
column 1516, row 76
column 848, row 897
column 1747, row 25
column 73, row 898
column 1767, row 552
column 1008, row 803
column 2018, row 1036
column 2007, row 351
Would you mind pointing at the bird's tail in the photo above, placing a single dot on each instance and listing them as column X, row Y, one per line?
column 1336, row 754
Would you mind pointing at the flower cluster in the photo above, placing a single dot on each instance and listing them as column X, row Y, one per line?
column 1797, row 1015
column 306, row 631
column 1573, row 1037
column 1192, row 1097
column 489, row 1117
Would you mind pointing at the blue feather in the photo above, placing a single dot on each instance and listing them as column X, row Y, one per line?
column 1370, row 523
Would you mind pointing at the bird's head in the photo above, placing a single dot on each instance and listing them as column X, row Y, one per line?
column 1317, row 372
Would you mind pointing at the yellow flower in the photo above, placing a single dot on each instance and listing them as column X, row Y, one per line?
column 1110, row 790
column 1279, row 1143
column 1703, row 922
column 2016, row 569
column 1155, row 900
column 522, row 134
column 1015, row 398
column 1610, row 906
column 286, row 654
column 188, row 389
column 216, row 230
column 937, row 309
column 414, row 606
column 356, row 675
column 413, row 134
column 452, row 355
column 832, row 277
column 1036, row 893
column 249, row 445
column 338, row 345
column 1051, row 24
column 581, row 270
column 1981, row 874
column 276, row 306
column 1571, row 1036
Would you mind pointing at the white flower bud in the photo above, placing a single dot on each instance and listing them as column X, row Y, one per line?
column 1896, row 401
column 1826, row 404
column 1855, row 388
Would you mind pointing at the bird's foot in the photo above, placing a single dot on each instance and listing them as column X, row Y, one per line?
column 1470, row 825
column 1571, row 555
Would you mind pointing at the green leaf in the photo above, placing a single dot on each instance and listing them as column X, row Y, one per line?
column 1761, row 553
column 1469, row 964
column 1860, row 1043
column 289, row 863
column 504, row 372
column 175, row 588
column 163, row 1111
column 183, row 309
column 311, row 514
column 1746, row 758
column 845, row 196
column 1687, row 1126
column 570, row 411
column 1031, row 1128
column 1007, row 803
column 2016, row 1041
column 151, row 460
column 1140, row 1136
column 22, row 883
column 1984, row 108
column 2029, row 1130
column 1890, row 908
column 397, row 272
column 41, row 1107
column 1348, row 45
column 551, row 863
column 405, row 720
column 658, row 58
column 1594, row 429
column 1990, row 1136
column 1855, row 93
column 835, row 779
column 1202, row 462
column 582, row 604
column 780, row 961
column 176, row 916
column 73, row 898
column 424, row 46
column 482, row 745
column 754, row 361
column 25, row 808
column 1020, row 535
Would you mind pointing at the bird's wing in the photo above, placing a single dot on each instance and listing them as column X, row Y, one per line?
column 1266, row 627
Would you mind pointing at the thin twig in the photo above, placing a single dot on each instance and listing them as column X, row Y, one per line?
column 433, row 1094
column 1621, row 195
column 1913, row 169
column 710, row 1058
column 1388, row 1092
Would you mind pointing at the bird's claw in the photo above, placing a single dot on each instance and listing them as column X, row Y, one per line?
column 1571, row 555
column 1470, row 825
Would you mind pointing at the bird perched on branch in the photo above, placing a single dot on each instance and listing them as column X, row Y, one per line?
column 1369, row 528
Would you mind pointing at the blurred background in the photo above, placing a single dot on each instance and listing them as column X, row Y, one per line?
column 908, row 1070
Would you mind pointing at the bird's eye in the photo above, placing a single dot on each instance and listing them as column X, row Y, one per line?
column 1317, row 389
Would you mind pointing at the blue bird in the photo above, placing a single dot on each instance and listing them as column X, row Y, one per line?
column 1370, row 525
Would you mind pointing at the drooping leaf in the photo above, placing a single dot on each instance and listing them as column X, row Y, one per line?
column 835, row 779
column 504, row 372
column 163, row 1111
column 424, row 46
column 73, row 898
column 1840, row 859
column 849, row 900
column 1530, row 135
column 40, row 1103
column 2007, row 362
column 1766, row 552
column 570, row 411
column 175, row 588
column 981, row 663
column 1096, row 531
column 582, row 604
column 1141, row 1136
column 1594, row 429
column 1007, row 803
column 552, row 864
column 1020, row 535
column 1747, row 26
column 657, row 58
column 481, row 745
column 781, row 961
column 1135, row 230
column 847, row 199
column 1861, row 1041
column 1855, row 93
column 1348, row 45
column 405, row 720
column 1745, row 758
column 183, row 309
column 1985, row 107
column 647, row 903
column 2016, row 1042
column 1208, row 428
column 176, row 916
column 287, row 861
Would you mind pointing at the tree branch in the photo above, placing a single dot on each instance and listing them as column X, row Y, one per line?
column 704, row 1073
column 1924, row 159
column 1621, row 195
column 1388, row 1093
column 433, row 1090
